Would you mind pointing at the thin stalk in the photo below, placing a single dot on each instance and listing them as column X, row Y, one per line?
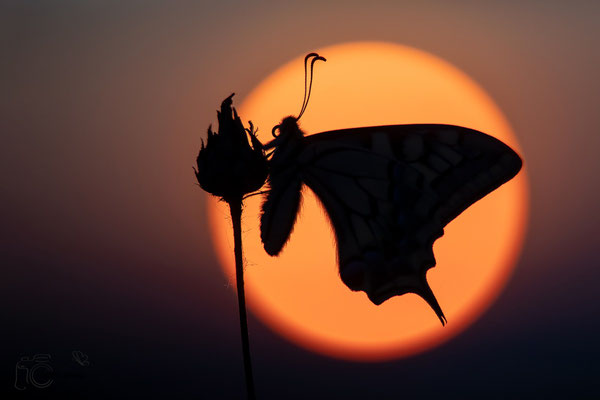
column 235, row 207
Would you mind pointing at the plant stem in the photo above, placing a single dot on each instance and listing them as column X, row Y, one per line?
column 235, row 207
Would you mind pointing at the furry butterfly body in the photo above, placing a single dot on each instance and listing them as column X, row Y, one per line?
column 388, row 190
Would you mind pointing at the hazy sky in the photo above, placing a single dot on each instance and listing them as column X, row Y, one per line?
column 104, row 238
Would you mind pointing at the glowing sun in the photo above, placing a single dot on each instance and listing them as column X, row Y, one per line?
column 300, row 294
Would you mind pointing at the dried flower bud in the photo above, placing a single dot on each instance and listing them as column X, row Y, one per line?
column 228, row 166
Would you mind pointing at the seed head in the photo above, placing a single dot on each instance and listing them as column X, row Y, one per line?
column 228, row 165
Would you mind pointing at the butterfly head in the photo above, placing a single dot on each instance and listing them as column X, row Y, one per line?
column 286, row 130
column 288, row 124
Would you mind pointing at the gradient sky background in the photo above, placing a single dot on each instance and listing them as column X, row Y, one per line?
column 104, row 236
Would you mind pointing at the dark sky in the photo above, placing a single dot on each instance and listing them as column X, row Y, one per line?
column 104, row 237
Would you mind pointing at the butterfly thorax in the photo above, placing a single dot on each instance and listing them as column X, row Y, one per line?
column 288, row 144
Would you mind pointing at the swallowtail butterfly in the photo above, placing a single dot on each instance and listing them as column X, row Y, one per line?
column 389, row 191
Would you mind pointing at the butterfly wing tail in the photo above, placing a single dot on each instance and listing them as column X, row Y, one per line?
column 427, row 294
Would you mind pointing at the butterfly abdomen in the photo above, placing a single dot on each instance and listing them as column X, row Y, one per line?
column 279, row 214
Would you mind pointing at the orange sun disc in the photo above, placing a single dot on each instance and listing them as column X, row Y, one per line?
column 299, row 294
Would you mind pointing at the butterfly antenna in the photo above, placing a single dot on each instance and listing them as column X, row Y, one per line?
column 309, row 55
column 307, row 94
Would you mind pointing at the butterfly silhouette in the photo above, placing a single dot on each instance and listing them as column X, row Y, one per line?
column 389, row 191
